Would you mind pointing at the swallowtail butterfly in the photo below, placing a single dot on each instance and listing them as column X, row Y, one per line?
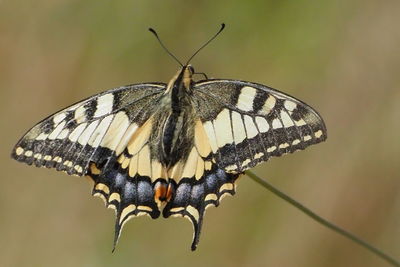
column 173, row 148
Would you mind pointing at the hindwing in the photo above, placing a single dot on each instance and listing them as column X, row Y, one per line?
column 199, row 182
column 247, row 123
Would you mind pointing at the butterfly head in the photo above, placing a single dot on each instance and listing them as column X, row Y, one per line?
column 182, row 80
column 187, row 80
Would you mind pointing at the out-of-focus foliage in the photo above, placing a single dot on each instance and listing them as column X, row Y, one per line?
column 341, row 57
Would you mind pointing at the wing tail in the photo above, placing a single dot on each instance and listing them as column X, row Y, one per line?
column 192, row 197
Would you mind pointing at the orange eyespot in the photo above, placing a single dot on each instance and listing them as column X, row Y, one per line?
column 160, row 192
column 163, row 192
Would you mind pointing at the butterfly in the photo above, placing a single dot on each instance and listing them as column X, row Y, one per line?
column 175, row 148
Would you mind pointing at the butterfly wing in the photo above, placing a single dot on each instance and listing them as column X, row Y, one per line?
column 238, row 125
column 203, row 186
column 88, row 131
column 95, row 137
column 247, row 123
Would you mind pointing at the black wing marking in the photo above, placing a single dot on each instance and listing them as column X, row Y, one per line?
column 247, row 123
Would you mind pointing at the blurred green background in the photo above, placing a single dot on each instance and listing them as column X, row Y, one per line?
column 342, row 57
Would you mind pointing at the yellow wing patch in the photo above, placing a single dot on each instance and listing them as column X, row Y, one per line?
column 140, row 137
column 201, row 140
column 139, row 161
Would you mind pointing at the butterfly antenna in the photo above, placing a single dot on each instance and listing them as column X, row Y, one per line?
column 204, row 45
column 161, row 43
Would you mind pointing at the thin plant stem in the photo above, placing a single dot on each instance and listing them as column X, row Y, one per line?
column 321, row 220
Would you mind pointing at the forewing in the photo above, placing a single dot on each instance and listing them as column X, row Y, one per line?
column 88, row 131
column 247, row 123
